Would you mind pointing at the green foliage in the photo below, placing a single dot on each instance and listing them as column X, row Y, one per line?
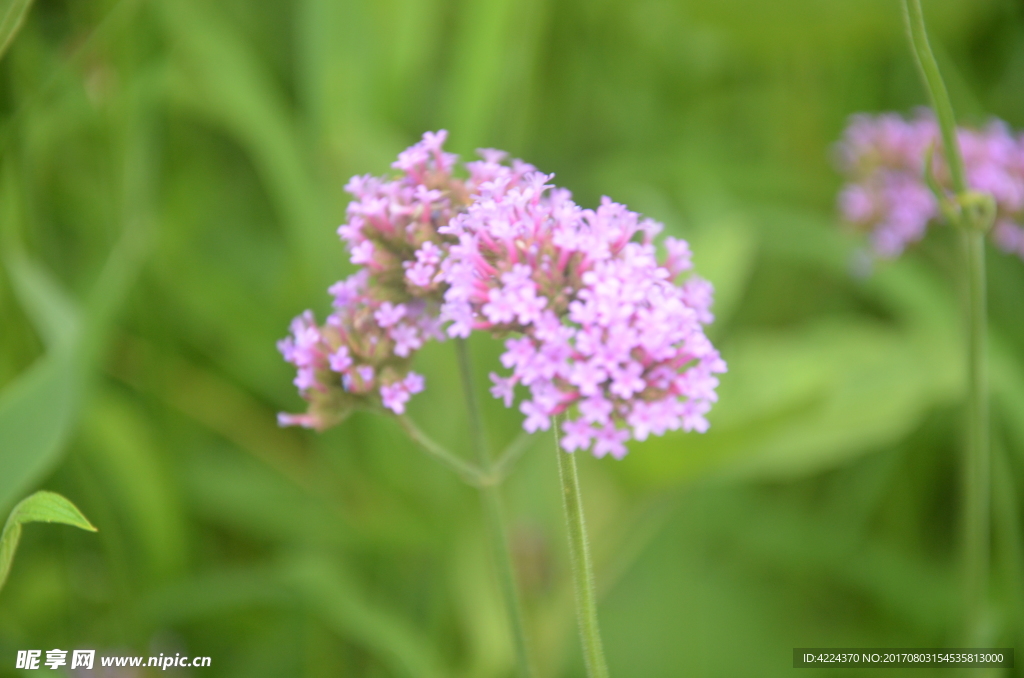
column 12, row 16
column 41, row 507
column 172, row 178
column 37, row 410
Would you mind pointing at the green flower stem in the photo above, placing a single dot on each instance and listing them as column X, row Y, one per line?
column 509, row 456
column 582, row 567
column 490, row 496
column 973, row 215
column 936, row 91
column 468, row 472
column 1009, row 530
column 977, row 464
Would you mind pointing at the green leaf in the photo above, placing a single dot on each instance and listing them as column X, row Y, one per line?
column 38, row 410
column 40, row 407
column 120, row 446
column 53, row 313
column 36, row 414
column 492, row 64
column 727, row 248
column 329, row 591
column 41, row 507
column 799, row 402
column 12, row 16
column 320, row 586
column 1008, row 389
column 216, row 74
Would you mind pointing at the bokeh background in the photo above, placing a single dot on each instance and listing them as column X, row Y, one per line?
column 171, row 177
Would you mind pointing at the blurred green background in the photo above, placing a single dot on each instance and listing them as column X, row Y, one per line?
column 171, row 176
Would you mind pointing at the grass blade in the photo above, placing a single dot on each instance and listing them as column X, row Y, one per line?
column 41, row 507
column 12, row 16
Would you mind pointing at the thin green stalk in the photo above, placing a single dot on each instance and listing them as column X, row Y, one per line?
column 509, row 456
column 1009, row 530
column 977, row 464
column 490, row 496
column 972, row 214
column 468, row 472
column 936, row 91
column 582, row 566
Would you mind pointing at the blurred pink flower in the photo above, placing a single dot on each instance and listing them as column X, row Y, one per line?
column 883, row 159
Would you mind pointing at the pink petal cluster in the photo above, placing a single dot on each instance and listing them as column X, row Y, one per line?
column 601, row 332
column 362, row 351
column 883, row 159
column 386, row 311
column 596, row 327
column 391, row 219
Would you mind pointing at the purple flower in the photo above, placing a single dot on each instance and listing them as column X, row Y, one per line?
column 609, row 438
column 406, row 338
column 537, row 418
column 679, row 255
column 883, row 159
column 1009, row 236
column 503, row 388
column 388, row 314
column 358, row 354
column 341, row 359
column 577, row 435
column 422, row 272
column 386, row 311
column 600, row 330
column 362, row 253
column 596, row 410
column 596, row 327
column 394, row 396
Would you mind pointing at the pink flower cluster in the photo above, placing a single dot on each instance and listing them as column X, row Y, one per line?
column 361, row 355
column 596, row 327
column 362, row 351
column 883, row 158
column 600, row 331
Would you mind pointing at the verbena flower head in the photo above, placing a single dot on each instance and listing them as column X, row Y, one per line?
column 360, row 354
column 595, row 325
column 883, row 158
column 386, row 311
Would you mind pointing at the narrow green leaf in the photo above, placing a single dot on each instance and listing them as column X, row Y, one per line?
column 216, row 74
column 337, row 599
column 49, row 507
column 727, row 248
column 120, row 446
column 12, row 16
column 493, row 64
column 53, row 313
column 215, row 592
column 41, row 507
column 320, row 586
column 1008, row 389
column 795, row 403
column 40, row 407
column 36, row 414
